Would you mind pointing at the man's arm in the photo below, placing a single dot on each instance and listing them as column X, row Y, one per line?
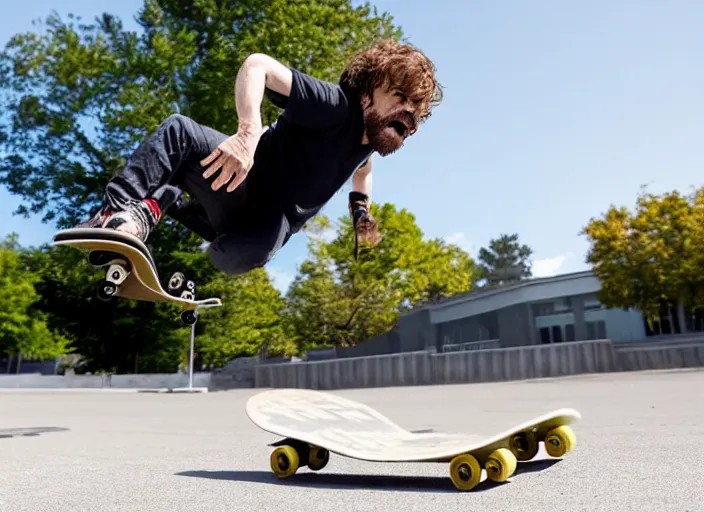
column 258, row 72
column 365, row 227
column 362, row 179
column 234, row 157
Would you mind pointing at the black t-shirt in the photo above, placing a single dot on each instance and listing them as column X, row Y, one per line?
column 312, row 149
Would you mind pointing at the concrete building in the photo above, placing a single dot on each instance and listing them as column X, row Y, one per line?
column 535, row 311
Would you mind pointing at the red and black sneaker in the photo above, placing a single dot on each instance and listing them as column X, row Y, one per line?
column 139, row 219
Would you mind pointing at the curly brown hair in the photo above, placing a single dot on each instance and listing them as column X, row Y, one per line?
column 397, row 65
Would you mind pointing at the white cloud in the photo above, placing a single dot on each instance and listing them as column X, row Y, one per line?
column 462, row 241
column 281, row 279
column 326, row 235
column 549, row 266
column 545, row 267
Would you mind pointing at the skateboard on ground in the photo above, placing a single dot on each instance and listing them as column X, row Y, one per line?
column 315, row 424
column 132, row 272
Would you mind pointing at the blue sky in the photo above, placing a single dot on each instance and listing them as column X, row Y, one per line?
column 553, row 111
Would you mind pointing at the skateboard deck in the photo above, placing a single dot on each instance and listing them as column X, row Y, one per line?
column 315, row 424
column 132, row 272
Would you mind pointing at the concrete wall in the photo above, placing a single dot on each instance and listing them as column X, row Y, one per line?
column 138, row 381
column 425, row 368
column 237, row 374
column 404, row 369
column 408, row 368
column 660, row 357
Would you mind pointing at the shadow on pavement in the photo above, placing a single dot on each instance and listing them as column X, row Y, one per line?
column 324, row 480
column 28, row 432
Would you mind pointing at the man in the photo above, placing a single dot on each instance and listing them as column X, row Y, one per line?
column 253, row 190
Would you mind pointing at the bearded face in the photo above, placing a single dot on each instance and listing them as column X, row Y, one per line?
column 388, row 121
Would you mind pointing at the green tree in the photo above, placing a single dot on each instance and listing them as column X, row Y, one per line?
column 337, row 300
column 505, row 260
column 249, row 320
column 649, row 258
column 121, row 335
column 24, row 329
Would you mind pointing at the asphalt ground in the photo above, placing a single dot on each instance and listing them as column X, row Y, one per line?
column 639, row 448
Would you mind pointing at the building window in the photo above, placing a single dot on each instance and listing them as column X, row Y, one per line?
column 544, row 334
column 569, row 332
column 591, row 303
column 596, row 330
column 555, row 334
column 558, row 306
column 668, row 321
column 694, row 320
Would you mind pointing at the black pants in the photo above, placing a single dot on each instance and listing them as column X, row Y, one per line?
column 245, row 228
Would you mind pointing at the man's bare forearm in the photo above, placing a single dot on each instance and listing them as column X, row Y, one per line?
column 258, row 72
column 362, row 180
column 362, row 183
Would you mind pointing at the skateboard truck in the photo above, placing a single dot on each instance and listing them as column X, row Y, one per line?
column 119, row 270
column 178, row 283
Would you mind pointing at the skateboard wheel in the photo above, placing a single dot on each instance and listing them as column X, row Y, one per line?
column 317, row 458
column 284, row 461
column 190, row 285
column 465, row 472
column 176, row 281
column 559, row 441
column 524, row 445
column 186, row 295
column 500, row 465
column 106, row 290
column 189, row 317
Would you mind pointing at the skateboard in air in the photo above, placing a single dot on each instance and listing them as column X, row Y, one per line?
column 314, row 424
column 131, row 270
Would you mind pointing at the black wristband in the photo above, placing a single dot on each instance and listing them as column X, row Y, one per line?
column 358, row 200
column 359, row 205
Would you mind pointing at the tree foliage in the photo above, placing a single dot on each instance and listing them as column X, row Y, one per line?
column 249, row 320
column 652, row 255
column 337, row 300
column 24, row 329
column 120, row 335
column 505, row 260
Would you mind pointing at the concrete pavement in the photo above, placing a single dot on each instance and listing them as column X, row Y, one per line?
column 638, row 449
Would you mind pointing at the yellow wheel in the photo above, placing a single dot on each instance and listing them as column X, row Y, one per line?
column 524, row 445
column 500, row 465
column 284, row 461
column 559, row 441
column 317, row 458
column 465, row 472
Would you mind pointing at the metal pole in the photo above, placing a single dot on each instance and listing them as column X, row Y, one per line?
column 190, row 357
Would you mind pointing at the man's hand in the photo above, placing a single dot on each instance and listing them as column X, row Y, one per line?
column 367, row 229
column 365, row 226
column 234, row 157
